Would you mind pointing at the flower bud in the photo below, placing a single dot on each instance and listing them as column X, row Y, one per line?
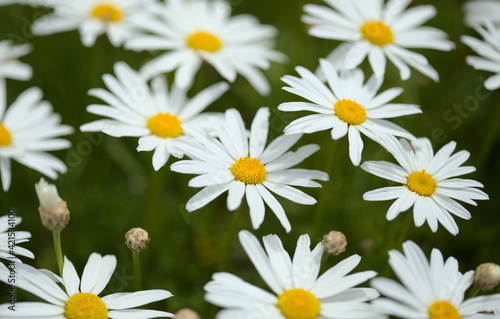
column 53, row 210
column 137, row 239
column 487, row 276
column 186, row 314
column 334, row 242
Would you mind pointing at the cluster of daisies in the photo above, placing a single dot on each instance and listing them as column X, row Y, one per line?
column 228, row 156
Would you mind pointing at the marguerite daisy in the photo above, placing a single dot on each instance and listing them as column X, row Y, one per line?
column 433, row 290
column 479, row 11
column 10, row 67
column 244, row 166
column 298, row 293
column 199, row 30
column 379, row 32
column 79, row 298
column 489, row 51
column 153, row 114
column 347, row 106
column 29, row 128
column 427, row 183
column 10, row 239
column 92, row 18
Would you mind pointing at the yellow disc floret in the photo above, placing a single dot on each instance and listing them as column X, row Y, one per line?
column 443, row 310
column 165, row 125
column 85, row 306
column 249, row 171
column 350, row 112
column 298, row 303
column 107, row 12
column 421, row 183
column 377, row 33
column 204, row 41
column 5, row 138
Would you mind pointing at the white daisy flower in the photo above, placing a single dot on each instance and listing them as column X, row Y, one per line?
column 243, row 166
column 10, row 238
column 428, row 183
column 28, row 129
column 153, row 114
column 433, row 290
column 479, row 11
column 92, row 18
column 197, row 31
column 10, row 67
column 79, row 298
column 347, row 106
column 489, row 51
column 378, row 31
column 298, row 293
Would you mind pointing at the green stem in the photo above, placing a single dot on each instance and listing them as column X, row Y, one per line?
column 320, row 207
column 406, row 227
column 229, row 240
column 137, row 269
column 474, row 291
column 399, row 242
column 56, row 236
column 324, row 258
column 489, row 140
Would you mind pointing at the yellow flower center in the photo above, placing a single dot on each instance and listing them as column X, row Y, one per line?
column 249, row 171
column 204, row 41
column 85, row 306
column 421, row 183
column 350, row 112
column 107, row 12
column 443, row 310
column 165, row 125
column 377, row 33
column 5, row 138
column 298, row 303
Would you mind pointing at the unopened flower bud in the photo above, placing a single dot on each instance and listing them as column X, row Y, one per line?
column 487, row 276
column 186, row 314
column 334, row 242
column 53, row 210
column 137, row 239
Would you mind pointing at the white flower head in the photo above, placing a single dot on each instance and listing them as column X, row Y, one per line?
column 10, row 238
column 28, row 129
column 297, row 291
column 346, row 106
column 53, row 210
column 432, row 289
column 47, row 194
column 480, row 11
column 199, row 30
column 79, row 298
column 489, row 53
column 244, row 166
column 379, row 32
column 151, row 113
column 10, row 67
column 428, row 183
column 92, row 18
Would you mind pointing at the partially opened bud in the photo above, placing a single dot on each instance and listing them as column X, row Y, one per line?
column 334, row 242
column 137, row 239
column 487, row 276
column 186, row 314
column 53, row 210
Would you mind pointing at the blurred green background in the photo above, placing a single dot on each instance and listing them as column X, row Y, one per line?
column 111, row 188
